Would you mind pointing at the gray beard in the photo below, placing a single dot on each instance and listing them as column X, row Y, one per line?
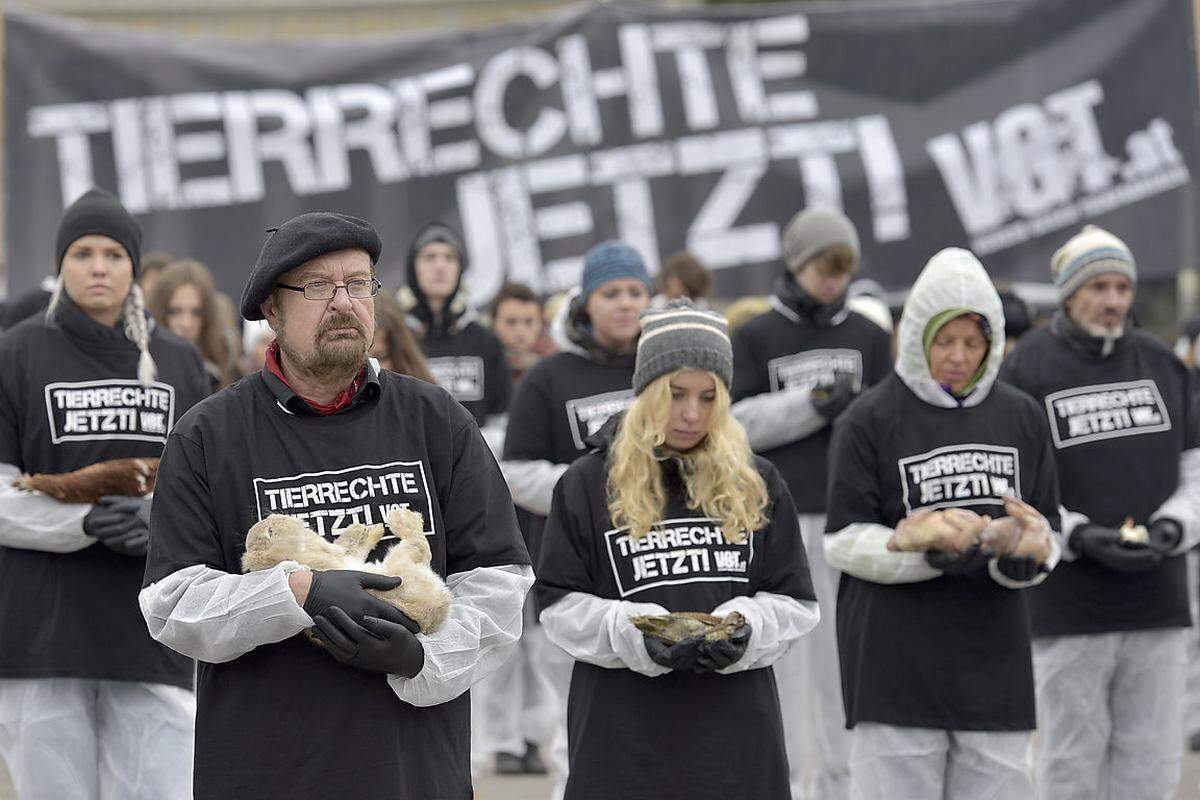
column 328, row 364
column 1104, row 331
column 1109, row 333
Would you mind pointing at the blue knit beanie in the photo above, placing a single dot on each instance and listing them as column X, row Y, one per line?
column 610, row 261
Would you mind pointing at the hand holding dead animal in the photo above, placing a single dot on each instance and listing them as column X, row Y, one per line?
column 954, row 530
column 688, row 640
column 1024, row 533
column 343, row 578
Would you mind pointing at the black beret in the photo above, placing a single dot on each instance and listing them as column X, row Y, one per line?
column 302, row 239
column 98, row 212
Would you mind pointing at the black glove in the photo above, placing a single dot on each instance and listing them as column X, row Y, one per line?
column 346, row 589
column 829, row 401
column 1104, row 545
column 1019, row 568
column 1165, row 535
column 376, row 646
column 681, row 656
column 724, row 652
column 121, row 523
column 969, row 560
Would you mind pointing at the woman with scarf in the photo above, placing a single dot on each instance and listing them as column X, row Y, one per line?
column 672, row 512
column 942, row 495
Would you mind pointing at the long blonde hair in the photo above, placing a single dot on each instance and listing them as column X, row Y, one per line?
column 719, row 475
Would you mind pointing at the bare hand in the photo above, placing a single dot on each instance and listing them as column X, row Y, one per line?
column 300, row 582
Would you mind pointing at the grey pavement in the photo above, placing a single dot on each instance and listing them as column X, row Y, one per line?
column 495, row 787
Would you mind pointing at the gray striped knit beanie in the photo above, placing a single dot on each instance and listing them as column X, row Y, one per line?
column 681, row 336
column 1088, row 253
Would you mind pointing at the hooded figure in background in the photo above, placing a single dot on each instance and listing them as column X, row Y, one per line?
column 797, row 368
column 465, row 358
column 1111, row 624
column 942, row 499
column 90, row 705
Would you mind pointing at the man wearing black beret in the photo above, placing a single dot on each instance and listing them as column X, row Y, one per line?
column 322, row 435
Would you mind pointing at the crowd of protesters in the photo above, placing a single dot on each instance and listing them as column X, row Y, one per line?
column 957, row 560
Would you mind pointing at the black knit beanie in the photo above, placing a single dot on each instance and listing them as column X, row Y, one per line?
column 98, row 212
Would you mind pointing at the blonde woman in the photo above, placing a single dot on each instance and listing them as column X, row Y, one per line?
column 672, row 512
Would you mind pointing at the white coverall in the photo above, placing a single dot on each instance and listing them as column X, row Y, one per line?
column 82, row 739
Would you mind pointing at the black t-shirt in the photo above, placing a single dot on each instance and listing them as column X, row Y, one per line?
column 680, row 735
column 1119, row 425
column 70, row 398
column 332, row 730
column 952, row 652
column 561, row 402
column 469, row 364
column 772, row 353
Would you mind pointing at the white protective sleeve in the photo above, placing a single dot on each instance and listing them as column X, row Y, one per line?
column 773, row 419
column 776, row 622
column 493, row 430
column 532, row 483
column 477, row 637
column 1183, row 505
column 215, row 616
column 35, row 521
column 599, row 631
column 1051, row 562
column 860, row 549
column 1070, row 521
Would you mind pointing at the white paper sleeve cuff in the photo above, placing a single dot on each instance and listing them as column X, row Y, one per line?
column 478, row 636
column 776, row 622
column 600, row 632
column 215, row 616
column 860, row 549
column 532, row 483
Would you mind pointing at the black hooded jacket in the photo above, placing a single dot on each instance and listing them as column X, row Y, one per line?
column 465, row 358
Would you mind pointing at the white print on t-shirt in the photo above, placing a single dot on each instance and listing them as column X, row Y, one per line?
column 336, row 499
column 461, row 376
column 587, row 415
column 813, row 368
column 675, row 551
column 112, row 409
column 960, row 475
column 1106, row 411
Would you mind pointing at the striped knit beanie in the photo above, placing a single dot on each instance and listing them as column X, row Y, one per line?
column 1090, row 252
column 681, row 336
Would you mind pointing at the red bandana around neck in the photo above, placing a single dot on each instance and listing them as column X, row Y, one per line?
column 340, row 403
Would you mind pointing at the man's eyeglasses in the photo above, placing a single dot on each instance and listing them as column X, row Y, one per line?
column 359, row 289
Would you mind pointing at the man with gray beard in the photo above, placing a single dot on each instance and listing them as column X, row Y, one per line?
column 322, row 435
column 1110, row 622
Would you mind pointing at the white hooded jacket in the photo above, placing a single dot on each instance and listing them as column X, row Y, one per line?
column 953, row 279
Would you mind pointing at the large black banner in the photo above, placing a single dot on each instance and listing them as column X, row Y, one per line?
column 1000, row 125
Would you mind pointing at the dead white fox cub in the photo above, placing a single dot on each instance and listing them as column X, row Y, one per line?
column 422, row 596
